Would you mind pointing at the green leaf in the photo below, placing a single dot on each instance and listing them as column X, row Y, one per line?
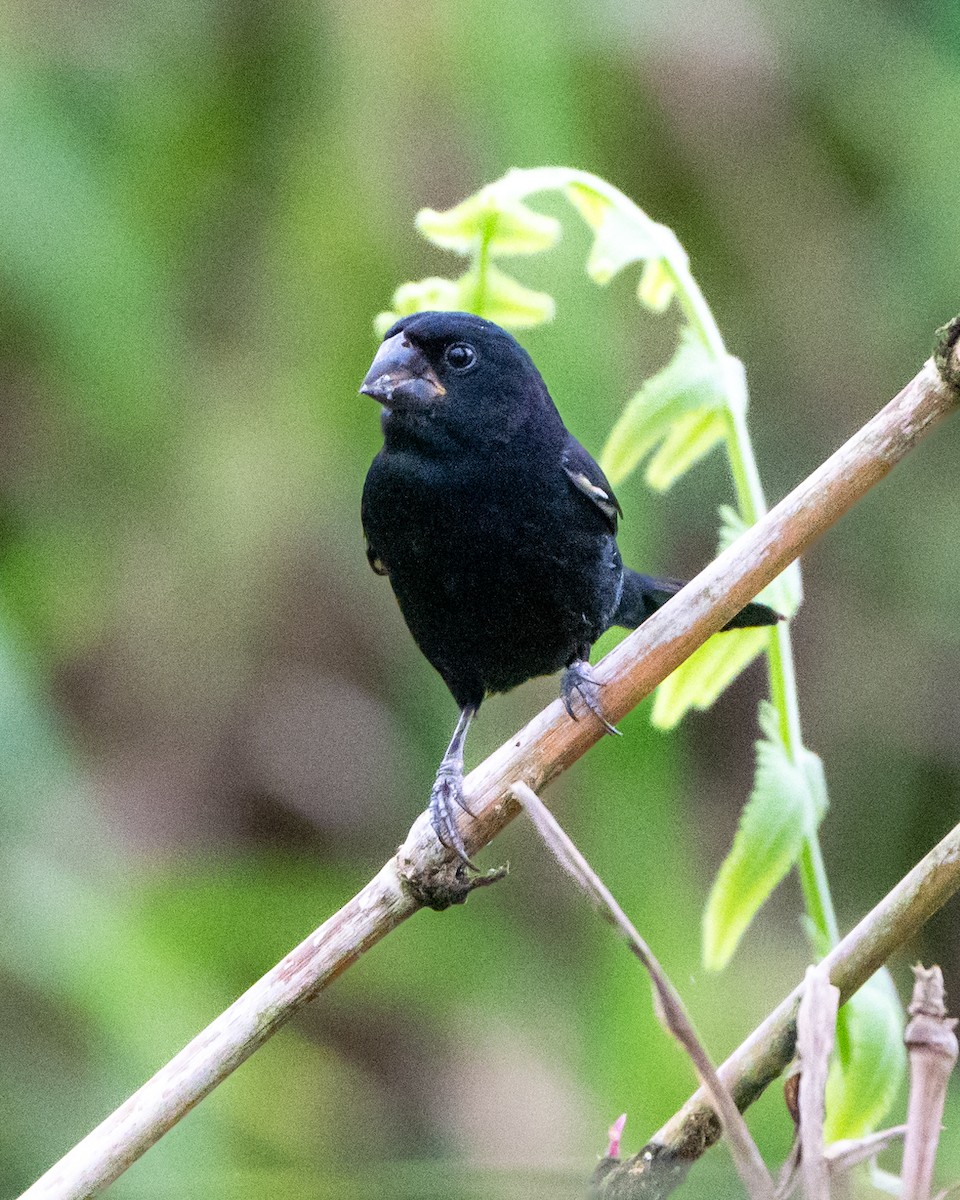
column 700, row 679
column 785, row 593
column 617, row 244
column 870, row 1064
column 692, row 382
column 625, row 234
column 692, row 437
column 785, row 806
column 499, row 297
column 433, row 293
column 657, row 285
column 591, row 203
column 489, row 293
column 732, row 527
column 501, row 223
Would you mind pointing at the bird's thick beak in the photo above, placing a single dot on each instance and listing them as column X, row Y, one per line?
column 400, row 376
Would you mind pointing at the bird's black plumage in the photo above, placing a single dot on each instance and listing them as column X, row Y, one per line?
column 496, row 528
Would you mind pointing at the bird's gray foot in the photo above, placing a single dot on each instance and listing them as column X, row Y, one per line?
column 579, row 679
column 445, row 798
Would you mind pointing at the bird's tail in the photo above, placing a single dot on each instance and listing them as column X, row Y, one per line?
column 643, row 595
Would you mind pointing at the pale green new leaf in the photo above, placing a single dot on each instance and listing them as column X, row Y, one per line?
column 625, row 234
column 812, row 765
column 692, row 437
column 618, row 242
column 732, row 527
column 782, row 810
column 785, row 593
column 500, row 298
column 592, row 204
column 657, row 286
column 492, row 294
column 433, row 293
column 700, row 679
column 692, row 382
column 501, row 223
column 870, row 1064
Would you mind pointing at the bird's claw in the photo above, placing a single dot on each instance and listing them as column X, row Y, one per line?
column 445, row 798
column 579, row 679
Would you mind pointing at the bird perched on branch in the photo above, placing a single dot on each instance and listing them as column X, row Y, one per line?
column 495, row 527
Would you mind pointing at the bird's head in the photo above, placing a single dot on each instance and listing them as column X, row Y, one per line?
column 456, row 374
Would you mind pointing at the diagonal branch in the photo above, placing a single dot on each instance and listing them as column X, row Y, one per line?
column 549, row 744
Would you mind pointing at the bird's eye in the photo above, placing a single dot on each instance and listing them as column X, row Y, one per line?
column 460, row 356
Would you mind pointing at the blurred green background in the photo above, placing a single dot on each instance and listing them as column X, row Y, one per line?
column 213, row 724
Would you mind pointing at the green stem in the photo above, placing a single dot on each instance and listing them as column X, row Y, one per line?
column 816, row 893
column 752, row 505
column 480, row 264
column 782, row 675
column 783, row 688
column 696, row 310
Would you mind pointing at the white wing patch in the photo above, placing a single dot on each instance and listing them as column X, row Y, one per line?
column 602, row 499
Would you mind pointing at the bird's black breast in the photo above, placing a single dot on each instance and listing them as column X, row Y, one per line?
column 501, row 568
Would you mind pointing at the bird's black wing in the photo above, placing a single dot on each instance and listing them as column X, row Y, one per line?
column 588, row 479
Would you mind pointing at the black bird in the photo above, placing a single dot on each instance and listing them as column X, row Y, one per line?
column 495, row 527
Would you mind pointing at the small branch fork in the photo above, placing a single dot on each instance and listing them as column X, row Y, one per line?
column 771, row 1046
column 421, row 874
column 932, row 1044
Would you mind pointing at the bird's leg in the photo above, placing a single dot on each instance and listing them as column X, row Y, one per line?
column 447, row 794
column 579, row 678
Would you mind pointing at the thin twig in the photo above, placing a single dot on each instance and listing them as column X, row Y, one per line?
column 847, row 1153
column 668, row 1006
column 816, row 1029
column 549, row 744
column 789, row 1176
column 841, row 1157
column 932, row 1045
